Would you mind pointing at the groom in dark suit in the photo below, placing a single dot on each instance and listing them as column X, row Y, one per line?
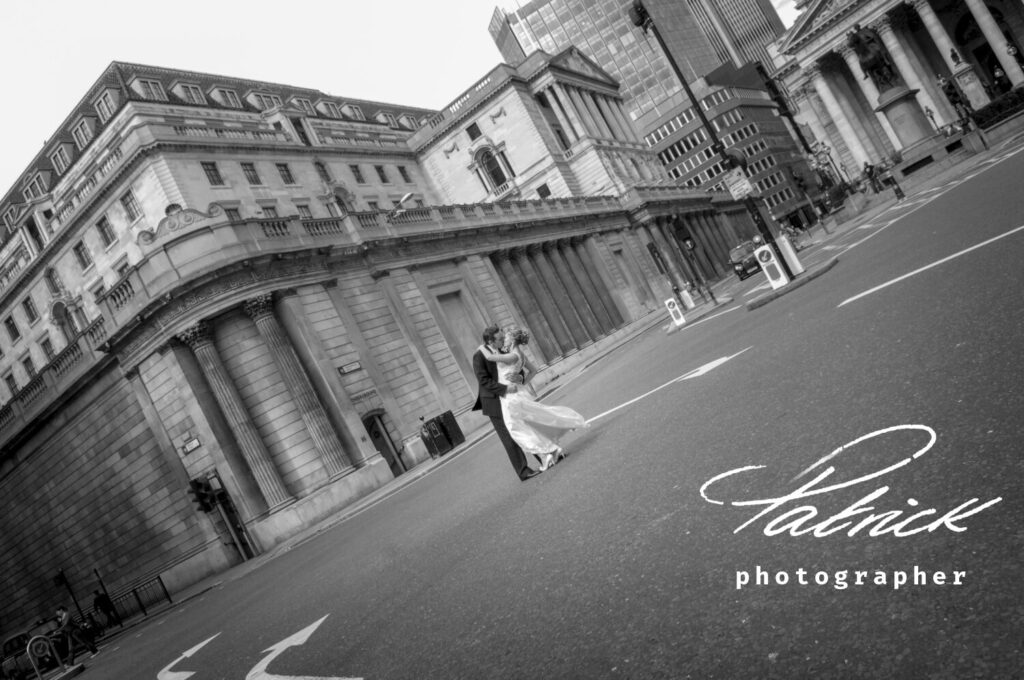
column 489, row 401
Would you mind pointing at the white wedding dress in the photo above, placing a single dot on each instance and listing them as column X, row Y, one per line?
column 534, row 426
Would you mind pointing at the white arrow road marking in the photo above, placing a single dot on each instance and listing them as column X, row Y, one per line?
column 686, row 376
column 259, row 671
column 168, row 674
column 929, row 266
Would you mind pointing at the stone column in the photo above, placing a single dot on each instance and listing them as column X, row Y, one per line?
column 586, row 248
column 523, row 299
column 701, row 233
column 996, row 40
column 867, row 86
column 565, row 103
column 963, row 73
column 591, row 100
column 807, row 115
column 583, row 112
column 560, row 293
column 331, row 394
column 720, row 242
column 839, row 117
column 627, row 124
column 919, row 75
column 629, row 250
column 874, row 140
column 200, row 340
column 599, row 304
column 570, row 133
column 572, row 286
column 261, row 310
column 675, row 276
column 702, row 253
column 524, row 259
column 668, row 231
column 613, row 122
column 906, row 69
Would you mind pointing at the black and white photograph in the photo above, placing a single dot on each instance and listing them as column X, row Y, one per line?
column 512, row 340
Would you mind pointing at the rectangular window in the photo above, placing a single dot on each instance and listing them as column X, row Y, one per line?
column 354, row 112
column 233, row 215
column 357, row 174
column 305, row 105
column 286, row 173
column 131, row 206
column 230, row 98
column 405, row 174
column 60, row 159
column 47, row 347
column 270, row 211
column 82, row 134
column 30, row 310
column 29, row 366
column 390, row 119
column 332, row 109
column 321, row 170
column 82, row 255
column 382, row 174
column 105, row 107
column 253, row 177
column 121, row 268
column 98, row 291
column 192, row 94
column 267, row 101
column 473, row 131
column 12, row 384
column 152, row 90
column 304, row 212
column 212, row 174
column 12, row 329
column 373, row 205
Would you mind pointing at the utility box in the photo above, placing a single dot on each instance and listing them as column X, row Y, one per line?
column 451, row 428
column 770, row 266
column 434, row 438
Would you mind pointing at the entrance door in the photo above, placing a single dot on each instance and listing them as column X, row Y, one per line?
column 466, row 331
column 382, row 441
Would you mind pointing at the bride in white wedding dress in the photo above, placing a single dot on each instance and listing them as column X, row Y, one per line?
column 534, row 426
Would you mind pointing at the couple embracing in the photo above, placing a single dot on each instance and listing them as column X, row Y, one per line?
column 524, row 426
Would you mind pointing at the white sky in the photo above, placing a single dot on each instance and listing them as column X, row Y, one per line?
column 417, row 52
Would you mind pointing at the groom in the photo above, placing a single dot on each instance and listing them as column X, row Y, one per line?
column 489, row 401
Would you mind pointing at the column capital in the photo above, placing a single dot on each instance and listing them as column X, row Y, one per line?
column 534, row 248
column 500, row 255
column 883, row 24
column 260, row 306
column 812, row 71
column 516, row 253
column 197, row 335
column 548, row 246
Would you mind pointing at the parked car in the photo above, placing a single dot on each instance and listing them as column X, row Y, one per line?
column 743, row 261
column 14, row 661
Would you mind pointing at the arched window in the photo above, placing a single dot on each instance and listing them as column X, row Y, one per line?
column 491, row 166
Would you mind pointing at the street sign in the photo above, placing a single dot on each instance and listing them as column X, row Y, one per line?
column 738, row 184
column 675, row 312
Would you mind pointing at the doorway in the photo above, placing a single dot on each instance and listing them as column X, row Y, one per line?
column 374, row 425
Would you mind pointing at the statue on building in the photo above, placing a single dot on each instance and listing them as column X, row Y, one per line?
column 874, row 60
column 955, row 56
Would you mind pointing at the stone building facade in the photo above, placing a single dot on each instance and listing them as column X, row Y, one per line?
column 267, row 287
column 967, row 43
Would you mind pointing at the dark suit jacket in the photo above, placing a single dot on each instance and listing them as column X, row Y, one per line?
column 488, row 399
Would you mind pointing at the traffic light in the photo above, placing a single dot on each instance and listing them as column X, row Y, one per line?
column 201, row 493
column 798, row 180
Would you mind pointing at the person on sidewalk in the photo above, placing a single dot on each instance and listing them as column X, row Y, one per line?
column 535, row 427
column 70, row 632
column 101, row 602
column 488, row 401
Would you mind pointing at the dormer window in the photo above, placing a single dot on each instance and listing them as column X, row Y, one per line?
column 105, row 106
column 10, row 216
column 329, row 109
column 226, row 97
column 353, row 112
column 305, row 105
column 82, row 134
column 388, row 119
column 151, row 90
column 190, row 93
column 407, row 121
column 60, row 158
column 35, row 189
column 264, row 101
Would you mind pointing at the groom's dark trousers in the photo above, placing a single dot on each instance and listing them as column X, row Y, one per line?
column 489, row 402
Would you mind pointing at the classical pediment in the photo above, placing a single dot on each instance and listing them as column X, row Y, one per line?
column 819, row 16
column 574, row 60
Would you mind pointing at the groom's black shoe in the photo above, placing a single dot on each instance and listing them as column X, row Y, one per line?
column 527, row 473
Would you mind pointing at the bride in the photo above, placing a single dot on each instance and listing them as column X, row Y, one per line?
column 534, row 426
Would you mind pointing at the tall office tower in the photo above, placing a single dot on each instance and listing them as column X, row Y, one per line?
column 739, row 30
column 602, row 30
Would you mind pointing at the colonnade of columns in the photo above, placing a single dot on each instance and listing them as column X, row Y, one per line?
column 586, row 113
column 338, row 449
column 559, row 288
column 868, row 135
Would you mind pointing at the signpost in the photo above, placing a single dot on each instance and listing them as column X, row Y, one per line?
column 675, row 312
column 738, row 184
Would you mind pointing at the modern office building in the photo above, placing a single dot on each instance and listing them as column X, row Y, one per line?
column 206, row 280
column 739, row 31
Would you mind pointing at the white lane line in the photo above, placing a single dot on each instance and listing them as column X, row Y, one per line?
column 929, row 266
column 686, row 376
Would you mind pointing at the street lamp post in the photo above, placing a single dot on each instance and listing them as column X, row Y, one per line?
column 642, row 19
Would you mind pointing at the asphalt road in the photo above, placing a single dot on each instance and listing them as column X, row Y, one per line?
column 613, row 565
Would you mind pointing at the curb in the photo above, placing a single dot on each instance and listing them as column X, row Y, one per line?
column 804, row 278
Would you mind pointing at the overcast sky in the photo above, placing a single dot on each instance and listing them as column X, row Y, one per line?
column 417, row 52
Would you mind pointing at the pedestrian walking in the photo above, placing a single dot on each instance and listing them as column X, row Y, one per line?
column 70, row 632
column 101, row 602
